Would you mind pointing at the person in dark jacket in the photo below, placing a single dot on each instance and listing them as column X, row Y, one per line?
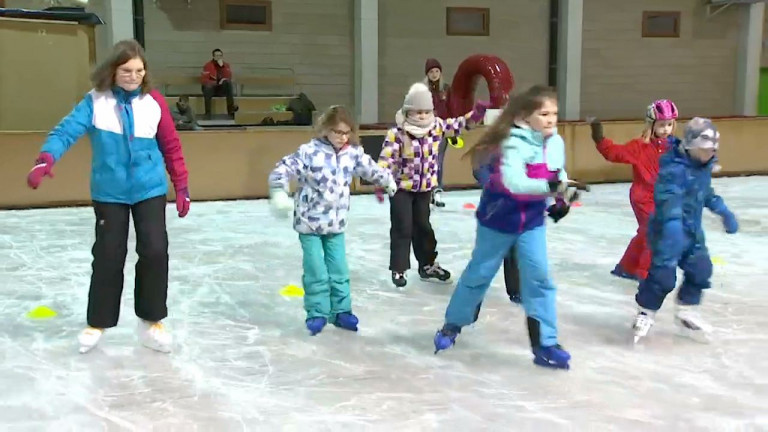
column 440, row 91
column 683, row 188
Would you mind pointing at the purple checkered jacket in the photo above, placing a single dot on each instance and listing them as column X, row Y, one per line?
column 415, row 169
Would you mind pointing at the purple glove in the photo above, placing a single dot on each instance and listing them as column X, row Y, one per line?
column 478, row 112
column 43, row 167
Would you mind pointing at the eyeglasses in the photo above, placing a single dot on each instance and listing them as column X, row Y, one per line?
column 127, row 73
column 341, row 132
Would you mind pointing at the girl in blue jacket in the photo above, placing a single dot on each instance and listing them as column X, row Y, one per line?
column 683, row 188
column 511, row 214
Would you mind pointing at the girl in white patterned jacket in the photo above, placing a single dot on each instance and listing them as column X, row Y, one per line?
column 324, row 168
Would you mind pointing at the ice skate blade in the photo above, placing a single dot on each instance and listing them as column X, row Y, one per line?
column 698, row 336
column 157, row 347
column 86, row 348
column 549, row 365
column 437, row 281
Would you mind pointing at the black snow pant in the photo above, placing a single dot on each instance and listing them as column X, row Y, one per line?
column 409, row 218
column 109, row 252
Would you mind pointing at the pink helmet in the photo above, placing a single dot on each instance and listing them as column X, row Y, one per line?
column 662, row 109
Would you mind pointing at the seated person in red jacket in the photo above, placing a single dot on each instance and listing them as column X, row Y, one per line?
column 643, row 153
column 217, row 81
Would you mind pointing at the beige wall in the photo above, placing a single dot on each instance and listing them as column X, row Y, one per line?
column 64, row 83
column 412, row 31
column 312, row 37
column 623, row 72
column 42, row 4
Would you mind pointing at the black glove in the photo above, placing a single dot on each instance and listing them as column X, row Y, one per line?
column 558, row 211
column 597, row 131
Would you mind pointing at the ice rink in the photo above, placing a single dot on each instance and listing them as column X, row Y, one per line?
column 244, row 361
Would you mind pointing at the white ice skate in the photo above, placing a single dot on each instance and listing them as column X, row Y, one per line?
column 690, row 324
column 154, row 336
column 643, row 323
column 89, row 338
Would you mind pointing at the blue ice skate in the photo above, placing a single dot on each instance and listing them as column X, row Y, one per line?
column 347, row 321
column 315, row 325
column 554, row 357
column 446, row 337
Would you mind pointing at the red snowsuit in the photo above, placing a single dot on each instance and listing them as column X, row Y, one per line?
column 644, row 158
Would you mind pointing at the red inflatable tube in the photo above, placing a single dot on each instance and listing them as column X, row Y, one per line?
column 496, row 73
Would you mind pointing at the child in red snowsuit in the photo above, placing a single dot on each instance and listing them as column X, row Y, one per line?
column 643, row 154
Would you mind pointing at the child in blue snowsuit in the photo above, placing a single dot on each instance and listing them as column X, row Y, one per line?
column 683, row 188
column 511, row 214
column 324, row 169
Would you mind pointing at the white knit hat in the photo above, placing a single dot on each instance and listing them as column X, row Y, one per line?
column 419, row 98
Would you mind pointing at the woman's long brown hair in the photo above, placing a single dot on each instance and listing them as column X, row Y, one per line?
column 103, row 77
column 519, row 107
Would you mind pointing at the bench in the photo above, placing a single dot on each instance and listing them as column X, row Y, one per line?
column 255, row 95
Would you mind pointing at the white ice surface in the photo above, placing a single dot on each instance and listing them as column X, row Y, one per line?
column 243, row 360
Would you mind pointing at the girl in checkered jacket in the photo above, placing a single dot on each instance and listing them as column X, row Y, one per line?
column 411, row 151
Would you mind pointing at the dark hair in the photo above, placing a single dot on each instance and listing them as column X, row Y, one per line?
column 184, row 98
column 103, row 77
column 217, row 50
column 338, row 114
column 519, row 106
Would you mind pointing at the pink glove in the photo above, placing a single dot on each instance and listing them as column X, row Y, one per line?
column 43, row 167
column 478, row 112
column 379, row 194
column 182, row 202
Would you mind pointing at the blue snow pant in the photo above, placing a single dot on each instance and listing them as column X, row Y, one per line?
column 326, row 276
column 662, row 276
column 536, row 288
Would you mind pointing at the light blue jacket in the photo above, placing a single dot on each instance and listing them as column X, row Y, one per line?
column 324, row 176
column 515, row 194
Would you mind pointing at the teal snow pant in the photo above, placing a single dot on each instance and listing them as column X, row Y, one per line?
column 326, row 276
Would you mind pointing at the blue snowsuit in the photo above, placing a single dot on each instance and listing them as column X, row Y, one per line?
column 683, row 188
column 511, row 214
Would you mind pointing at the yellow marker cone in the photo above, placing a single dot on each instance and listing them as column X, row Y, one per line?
column 41, row 312
column 718, row 261
column 292, row 291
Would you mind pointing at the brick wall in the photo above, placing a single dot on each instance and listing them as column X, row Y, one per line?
column 313, row 38
column 412, row 31
column 623, row 72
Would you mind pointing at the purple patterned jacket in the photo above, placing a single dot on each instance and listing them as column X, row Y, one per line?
column 415, row 167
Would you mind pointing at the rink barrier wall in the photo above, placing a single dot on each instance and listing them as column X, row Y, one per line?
column 234, row 164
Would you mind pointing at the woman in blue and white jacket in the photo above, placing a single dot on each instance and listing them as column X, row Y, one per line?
column 134, row 143
column 324, row 168
column 511, row 214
